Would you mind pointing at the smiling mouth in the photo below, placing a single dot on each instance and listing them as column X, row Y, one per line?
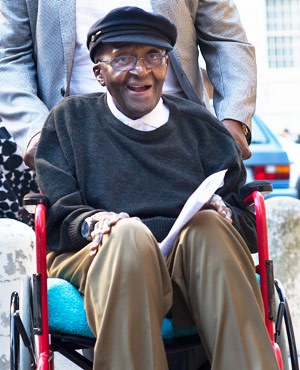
column 139, row 88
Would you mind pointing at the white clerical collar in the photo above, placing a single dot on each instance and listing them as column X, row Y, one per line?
column 154, row 119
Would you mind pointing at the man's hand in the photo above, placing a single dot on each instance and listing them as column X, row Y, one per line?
column 217, row 203
column 235, row 128
column 103, row 222
column 30, row 151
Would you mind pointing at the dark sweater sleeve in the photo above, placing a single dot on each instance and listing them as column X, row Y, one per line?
column 57, row 180
column 243, row 218
column 223, row 153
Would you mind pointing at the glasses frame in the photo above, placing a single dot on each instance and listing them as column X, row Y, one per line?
column 134, row 62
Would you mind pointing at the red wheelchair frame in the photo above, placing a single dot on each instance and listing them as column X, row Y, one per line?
column 37, row 203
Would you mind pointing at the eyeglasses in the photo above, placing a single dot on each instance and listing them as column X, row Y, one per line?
column 128, row 62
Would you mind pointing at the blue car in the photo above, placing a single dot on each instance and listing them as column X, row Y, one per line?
column 269, row 160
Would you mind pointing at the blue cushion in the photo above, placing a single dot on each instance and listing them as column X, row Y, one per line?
column 66, row 308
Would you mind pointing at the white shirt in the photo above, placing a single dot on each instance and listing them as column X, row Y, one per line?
column 151, row 121
column 87, row 13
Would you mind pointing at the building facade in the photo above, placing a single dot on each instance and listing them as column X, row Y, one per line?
column 273, row 26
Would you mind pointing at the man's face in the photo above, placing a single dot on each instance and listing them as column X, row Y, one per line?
column 135, row 91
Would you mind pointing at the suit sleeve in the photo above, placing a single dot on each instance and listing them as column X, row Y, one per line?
column 230, row 59
column 21, row 111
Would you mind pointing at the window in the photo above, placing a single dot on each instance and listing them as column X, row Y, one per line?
column 283, row 32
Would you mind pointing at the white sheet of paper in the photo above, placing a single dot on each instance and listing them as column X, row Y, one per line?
column 195, row 202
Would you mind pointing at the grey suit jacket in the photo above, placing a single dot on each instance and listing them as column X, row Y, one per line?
column 38, row 43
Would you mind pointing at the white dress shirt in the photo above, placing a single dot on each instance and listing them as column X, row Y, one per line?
column 151, row 121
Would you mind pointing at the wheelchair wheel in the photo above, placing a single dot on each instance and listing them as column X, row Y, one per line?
column 284, row 348
column 21, row 305
column 14, row 334
column 289, row 338
column 281, row 339
column 25, row 308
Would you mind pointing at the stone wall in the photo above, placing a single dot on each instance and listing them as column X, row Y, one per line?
column 283, row 217
column 16, row 253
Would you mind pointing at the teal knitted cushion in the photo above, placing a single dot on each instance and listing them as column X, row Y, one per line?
column 67, row 314
column 66, row 311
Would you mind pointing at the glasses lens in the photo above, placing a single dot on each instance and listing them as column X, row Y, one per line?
column 154, row 60
column 123, row 63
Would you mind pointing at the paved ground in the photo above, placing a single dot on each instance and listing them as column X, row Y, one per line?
column 62, row 363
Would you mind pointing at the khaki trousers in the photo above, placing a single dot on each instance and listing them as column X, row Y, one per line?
column 128, row 285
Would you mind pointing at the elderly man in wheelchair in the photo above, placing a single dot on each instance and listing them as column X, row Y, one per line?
column 117, row 168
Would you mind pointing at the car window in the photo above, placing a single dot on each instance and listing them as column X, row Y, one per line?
column 258, row 136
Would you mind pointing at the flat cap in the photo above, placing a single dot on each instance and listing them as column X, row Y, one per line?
column 132, row 25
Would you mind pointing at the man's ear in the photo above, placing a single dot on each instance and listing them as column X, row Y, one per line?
column 167, row 61
column 167, row 66
column 98, row 74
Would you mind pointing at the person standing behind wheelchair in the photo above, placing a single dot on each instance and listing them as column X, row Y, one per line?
column 117, row 168
column 42, row 62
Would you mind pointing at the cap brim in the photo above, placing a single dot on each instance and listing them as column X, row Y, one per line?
column 140, row 39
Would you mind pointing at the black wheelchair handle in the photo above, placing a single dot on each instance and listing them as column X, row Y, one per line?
column 263, row 186
column 31, row 200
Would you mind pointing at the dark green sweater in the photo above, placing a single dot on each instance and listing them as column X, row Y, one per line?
column 89, row 161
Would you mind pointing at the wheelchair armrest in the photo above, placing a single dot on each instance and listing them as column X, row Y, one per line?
column 263, row 186
column 31, row 200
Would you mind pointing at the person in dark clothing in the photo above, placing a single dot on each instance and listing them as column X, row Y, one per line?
column 118, row 168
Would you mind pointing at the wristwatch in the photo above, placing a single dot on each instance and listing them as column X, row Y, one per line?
column 245, row 129
column 87, row 227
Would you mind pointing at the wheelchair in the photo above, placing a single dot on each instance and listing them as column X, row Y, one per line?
column 48, row 316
